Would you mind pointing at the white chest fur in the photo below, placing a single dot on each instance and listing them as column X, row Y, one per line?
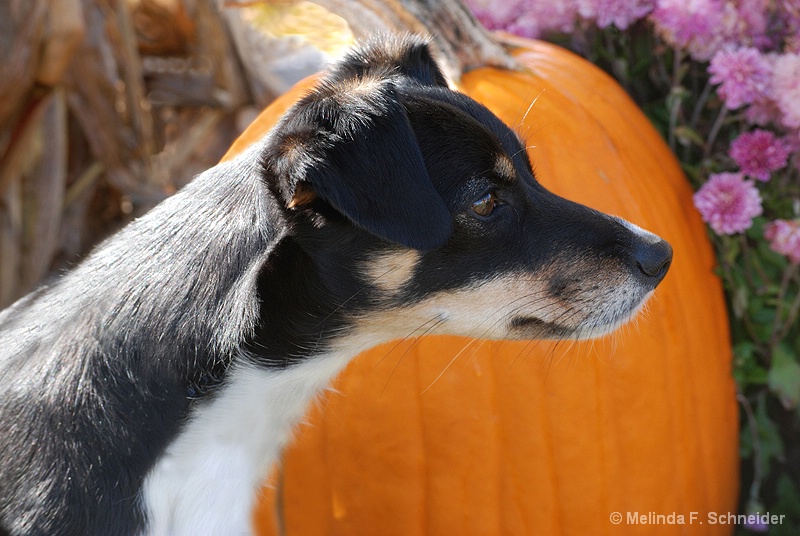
column 206, row 481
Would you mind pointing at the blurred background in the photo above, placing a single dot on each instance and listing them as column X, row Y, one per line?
column 109, row 106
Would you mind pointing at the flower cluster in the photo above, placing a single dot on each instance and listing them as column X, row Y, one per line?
column 620, row 13
column 768, row 81
column 698, row 26
column 701, row 27
column 527, row 18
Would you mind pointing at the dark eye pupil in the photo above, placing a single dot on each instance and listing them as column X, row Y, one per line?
column 485, row 205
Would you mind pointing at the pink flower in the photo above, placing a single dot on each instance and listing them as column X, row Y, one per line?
column 786, row 88
column 696, row 25
column 743, row 73
column 759, row 153
column 620, row 13
column 752, row 21
column 546, row 16
column 762, row 111
column 527, row 18
column 728, row 203
column 784, row 238
column 789, row 15
column 494, row 15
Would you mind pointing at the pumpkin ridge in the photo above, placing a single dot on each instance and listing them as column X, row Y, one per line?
column 426, row 471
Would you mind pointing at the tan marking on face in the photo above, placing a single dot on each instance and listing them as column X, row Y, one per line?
column 480, row 311
column 595, row 301
column 390, row 271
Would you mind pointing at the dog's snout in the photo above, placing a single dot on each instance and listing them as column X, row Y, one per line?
column 653, row 260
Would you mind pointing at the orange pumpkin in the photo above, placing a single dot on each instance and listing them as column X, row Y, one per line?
column 446, row 436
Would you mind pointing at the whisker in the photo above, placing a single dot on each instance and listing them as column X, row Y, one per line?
column 402, row 357
column 463, row 349
column 530, row 106
column 411, row 335
column 535, row 343
column 481, row 340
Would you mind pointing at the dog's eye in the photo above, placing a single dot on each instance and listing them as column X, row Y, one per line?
column 485, row 205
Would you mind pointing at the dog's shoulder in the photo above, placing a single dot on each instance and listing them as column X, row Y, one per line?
column 105, row 356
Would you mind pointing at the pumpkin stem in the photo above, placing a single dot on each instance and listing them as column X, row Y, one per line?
column 461, row 43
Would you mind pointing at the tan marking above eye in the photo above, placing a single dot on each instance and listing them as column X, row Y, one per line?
column 504, row 167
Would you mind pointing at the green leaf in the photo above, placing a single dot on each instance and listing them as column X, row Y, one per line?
column 784, row 377
column 788, row 504
column 739, row 301
column 744, row 351
column 732, row 250
column 769, row 437
column 747, row 370
column 687, row 136
column 756, row 231
column 763, row 315
column 788, row 497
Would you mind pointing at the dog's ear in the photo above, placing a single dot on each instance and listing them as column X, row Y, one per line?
column 352, row 145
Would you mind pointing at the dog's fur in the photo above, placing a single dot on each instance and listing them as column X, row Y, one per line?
column 148, row 390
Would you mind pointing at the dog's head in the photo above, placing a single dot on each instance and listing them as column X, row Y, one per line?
column 417, row 211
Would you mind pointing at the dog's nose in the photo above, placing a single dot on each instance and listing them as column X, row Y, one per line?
column 653, row 260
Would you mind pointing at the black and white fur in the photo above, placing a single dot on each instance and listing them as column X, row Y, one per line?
column 148, row 391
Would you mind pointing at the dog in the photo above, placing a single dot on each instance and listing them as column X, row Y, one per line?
column 148, row 390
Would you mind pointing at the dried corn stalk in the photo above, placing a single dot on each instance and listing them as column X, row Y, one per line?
column 108, row 106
